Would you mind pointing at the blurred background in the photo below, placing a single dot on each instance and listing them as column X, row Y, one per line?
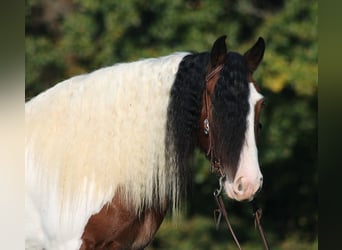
column 66, row 38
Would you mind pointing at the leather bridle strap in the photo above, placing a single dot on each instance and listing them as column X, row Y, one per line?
column 212, row 73
column 213, row 162
column 216, row 164
column 207, row 130
column 257, row 212
column 222, row 211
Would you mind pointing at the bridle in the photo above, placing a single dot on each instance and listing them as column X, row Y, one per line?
column 210, row 82
column 214, row 162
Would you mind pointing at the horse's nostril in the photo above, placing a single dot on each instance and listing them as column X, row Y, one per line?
column 239, row 186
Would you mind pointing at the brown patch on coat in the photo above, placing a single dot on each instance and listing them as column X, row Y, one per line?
column 118, row 226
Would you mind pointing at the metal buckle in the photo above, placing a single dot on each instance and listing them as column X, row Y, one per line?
column 218, row 191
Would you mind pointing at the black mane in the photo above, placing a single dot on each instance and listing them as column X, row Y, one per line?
column 183, row 114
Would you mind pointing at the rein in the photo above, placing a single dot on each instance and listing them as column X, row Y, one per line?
column 216, row 165
column 221, row 210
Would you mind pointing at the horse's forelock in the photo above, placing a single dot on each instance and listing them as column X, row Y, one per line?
column 229, row 111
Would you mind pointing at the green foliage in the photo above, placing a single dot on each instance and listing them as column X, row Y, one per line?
column 66, row 38
column 292, row 56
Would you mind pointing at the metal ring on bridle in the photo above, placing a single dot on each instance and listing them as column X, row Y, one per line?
column 218, row 191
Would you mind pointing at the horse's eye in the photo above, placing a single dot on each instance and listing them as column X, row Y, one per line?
column 260, row 126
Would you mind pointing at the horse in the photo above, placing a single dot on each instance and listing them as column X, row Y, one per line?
column 107, row 153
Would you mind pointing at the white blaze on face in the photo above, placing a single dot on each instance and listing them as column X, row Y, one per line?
column 248, row 178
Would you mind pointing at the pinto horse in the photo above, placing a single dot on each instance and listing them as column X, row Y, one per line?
column 107, row 153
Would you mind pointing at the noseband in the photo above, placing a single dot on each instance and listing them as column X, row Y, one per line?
column 210, row 82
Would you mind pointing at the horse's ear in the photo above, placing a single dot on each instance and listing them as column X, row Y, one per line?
column 218, row 52
column 255, row 54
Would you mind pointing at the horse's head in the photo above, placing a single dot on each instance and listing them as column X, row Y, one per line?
column 230, row 118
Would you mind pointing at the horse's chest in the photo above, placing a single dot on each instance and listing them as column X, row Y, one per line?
column 118, row 227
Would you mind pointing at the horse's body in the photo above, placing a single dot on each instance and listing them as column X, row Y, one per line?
column 106, row 152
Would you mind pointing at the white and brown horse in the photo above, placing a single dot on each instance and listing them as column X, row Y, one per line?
column 107, row 152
